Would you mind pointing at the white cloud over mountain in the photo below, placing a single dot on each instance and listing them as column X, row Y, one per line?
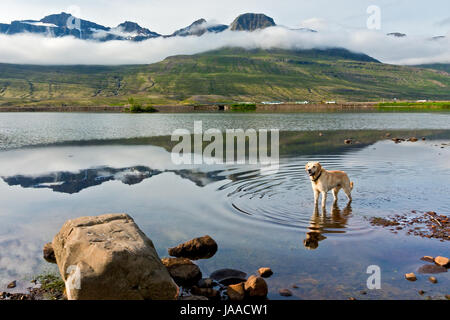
column 33, row 49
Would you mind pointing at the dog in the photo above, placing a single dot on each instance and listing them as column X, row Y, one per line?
column 323, row 181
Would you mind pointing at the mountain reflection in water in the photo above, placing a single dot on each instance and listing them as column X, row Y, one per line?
column 74, row 182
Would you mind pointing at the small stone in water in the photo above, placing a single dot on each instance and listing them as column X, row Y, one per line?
column 265, row 272
column 410, row 276
column 427, row 259
column 432, row 279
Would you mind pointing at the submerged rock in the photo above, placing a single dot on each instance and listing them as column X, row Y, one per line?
column 49, row 253
column 183, row 271
column 12, row 285
column 228, row 276
column 199, row 248
column 109, row 258
column 285, row 292
column 431, row 268
column 256, row 287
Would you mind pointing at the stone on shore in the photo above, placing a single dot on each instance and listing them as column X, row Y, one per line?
column 49, row 253
column 265, row 272
column 236, row 292
column 256, row 287
column 199, row 248
column 442, row 261
column 109, row 258
column 410, row 276
column 183, row 271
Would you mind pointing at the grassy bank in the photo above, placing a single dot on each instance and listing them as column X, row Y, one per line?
column 414, row 106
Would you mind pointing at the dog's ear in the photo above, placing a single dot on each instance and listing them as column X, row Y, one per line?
column 319, row 166
column 306, row 166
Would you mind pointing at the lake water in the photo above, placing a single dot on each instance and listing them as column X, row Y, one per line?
column 57, row 166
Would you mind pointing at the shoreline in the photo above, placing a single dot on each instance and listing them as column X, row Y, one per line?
column 260, row 108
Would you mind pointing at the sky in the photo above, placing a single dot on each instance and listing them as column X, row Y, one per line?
column 342, row 23
column 417, row 17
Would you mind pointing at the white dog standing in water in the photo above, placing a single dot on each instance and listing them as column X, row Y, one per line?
column 323, row 181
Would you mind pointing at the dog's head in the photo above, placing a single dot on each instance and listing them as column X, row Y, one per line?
column 312, row 168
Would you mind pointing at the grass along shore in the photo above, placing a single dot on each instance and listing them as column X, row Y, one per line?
column 135, row 106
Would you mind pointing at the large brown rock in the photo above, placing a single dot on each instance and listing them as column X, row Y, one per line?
column 256, row 287
column 49, row 253
column 236, row 292
column 109, row 258
column 442, row 261
column 183, row 271
column 199, row 248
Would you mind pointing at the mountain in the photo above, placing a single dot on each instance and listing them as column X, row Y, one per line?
column 136, row 31
column 228, row 74
column 445, row 67
column 64, row 24
column 251, row 22
column 198, row 28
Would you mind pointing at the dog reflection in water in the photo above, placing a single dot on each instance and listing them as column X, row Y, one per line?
column 336, row 222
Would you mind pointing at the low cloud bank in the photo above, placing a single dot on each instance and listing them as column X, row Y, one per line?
column 33, row 49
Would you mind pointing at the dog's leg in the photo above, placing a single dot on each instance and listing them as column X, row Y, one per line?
column 335, row 194
column 316, row 198
column 348, row 193
column 324, row 199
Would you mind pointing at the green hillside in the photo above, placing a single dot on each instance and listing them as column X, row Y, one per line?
column 224, row 75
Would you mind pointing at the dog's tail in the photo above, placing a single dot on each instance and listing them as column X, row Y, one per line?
column 351, row 185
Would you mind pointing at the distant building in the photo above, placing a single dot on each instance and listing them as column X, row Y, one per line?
column 330, row 102
column 301, row 102
column 272, row 102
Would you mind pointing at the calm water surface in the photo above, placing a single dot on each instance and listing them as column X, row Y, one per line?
column 258, row 219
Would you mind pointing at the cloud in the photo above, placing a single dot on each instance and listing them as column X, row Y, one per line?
column 444, row 22
column 32, row 49
column 317, row 24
